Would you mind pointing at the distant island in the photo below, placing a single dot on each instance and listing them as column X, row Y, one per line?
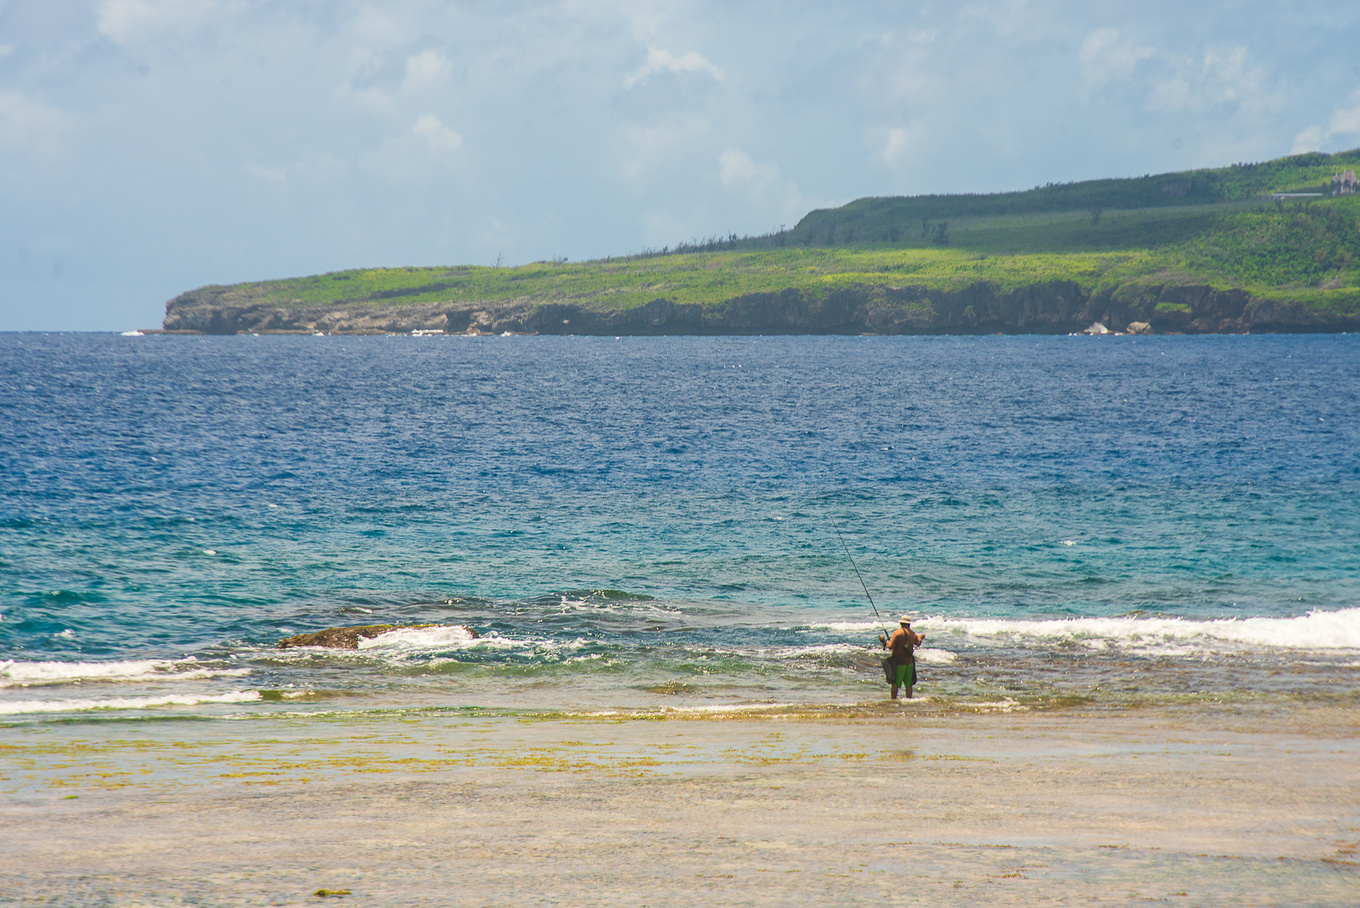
column 1251, row 248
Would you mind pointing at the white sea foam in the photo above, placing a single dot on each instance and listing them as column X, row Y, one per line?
column 622, row 605
column 817, row 649
column 849, row 627
column 408, row 643
column 923, row 654
column 720, row 709
column 21, row 707
column 26, row 674
column 1317, row 631
column 413, row 640
column 1003, row 706
column 927, row 654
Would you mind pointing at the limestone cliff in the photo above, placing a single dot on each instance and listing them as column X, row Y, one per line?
column 1058, row 307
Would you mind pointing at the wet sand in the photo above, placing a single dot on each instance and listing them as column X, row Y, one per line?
column 1256, row 806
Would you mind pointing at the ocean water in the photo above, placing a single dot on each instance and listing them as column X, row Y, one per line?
column 662, row 524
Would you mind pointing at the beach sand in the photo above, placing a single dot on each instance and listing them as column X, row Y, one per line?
column 1255, row 805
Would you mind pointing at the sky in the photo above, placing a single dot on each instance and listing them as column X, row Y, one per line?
column 148, row 147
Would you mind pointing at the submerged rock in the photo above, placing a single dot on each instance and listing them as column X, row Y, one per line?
column 349, row 637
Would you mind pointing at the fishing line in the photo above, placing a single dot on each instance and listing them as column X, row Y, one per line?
column 861, row 580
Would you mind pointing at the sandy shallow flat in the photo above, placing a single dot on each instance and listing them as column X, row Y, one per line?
column 1255, row 807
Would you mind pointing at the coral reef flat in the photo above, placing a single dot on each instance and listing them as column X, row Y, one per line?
column 1247, row 805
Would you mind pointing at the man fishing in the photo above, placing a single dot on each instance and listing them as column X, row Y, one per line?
column 901, row 667
column 903, row 641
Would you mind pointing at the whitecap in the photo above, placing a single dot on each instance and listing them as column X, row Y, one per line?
column 1316, row 630
column 20, row 707
column 405, row 640
column 27, row 674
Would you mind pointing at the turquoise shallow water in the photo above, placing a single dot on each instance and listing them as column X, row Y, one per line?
column 651, row 522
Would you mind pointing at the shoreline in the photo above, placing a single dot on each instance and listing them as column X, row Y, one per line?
column 1039, row 306
column 1251, row 804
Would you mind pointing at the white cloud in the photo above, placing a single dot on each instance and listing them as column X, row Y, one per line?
column 422, row 156
column 370, row 99
column 762, row 182
column 375, row 26
column 737, row 170
column 30, row 126
column 1105, row 56
column 1233, row 77
column 1308, row 140
column 1345, row 121
column 132, row 21
column 361, row 125
column 647, row 147
column 901, row 143
column 899, row 140
column 1221, row 77
column 372, row 84
column 427, row 67
column 438, row 136
column 663, row 61
column 1008, row 18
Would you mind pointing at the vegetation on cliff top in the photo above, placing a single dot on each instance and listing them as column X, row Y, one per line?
column 893, row 219
column 1209, row 227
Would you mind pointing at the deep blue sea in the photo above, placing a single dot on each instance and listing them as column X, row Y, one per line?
column 652, row 523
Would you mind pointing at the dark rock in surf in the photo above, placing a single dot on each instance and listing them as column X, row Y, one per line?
column 349, row 637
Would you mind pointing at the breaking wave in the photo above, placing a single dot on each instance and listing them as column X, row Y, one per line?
column 29, row 674
column 1316, row 631
column 412, row 640
column 86, row 704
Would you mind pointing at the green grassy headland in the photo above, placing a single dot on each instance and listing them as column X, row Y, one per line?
column 1219, row 227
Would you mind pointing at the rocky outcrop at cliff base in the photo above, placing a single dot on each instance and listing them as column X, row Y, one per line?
column 1056, row 307
column 349, row 637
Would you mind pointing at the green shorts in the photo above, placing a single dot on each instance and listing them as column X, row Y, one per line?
column 906, row 674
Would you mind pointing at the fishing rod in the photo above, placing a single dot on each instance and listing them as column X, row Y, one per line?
column 861, row 581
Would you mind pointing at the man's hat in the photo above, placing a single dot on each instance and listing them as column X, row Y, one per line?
column 906, row 619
